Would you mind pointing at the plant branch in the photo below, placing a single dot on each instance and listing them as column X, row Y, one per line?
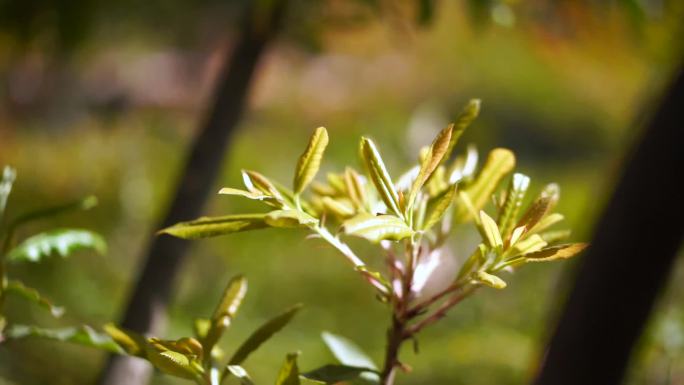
column 440, row 312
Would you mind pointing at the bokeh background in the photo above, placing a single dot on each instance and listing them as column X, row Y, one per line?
column 104, row 97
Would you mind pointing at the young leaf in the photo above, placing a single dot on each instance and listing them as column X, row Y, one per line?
column 240, row 373
column 546, row 222
column 527, row 245
column 340, row 207
column 555, row 252
column 355, row 188
column 172, row 362
column 257, row 183
column 310, row 161
column 290, row 218
column 332, row 374
column 83, row 335
column 511, row 207
column 262, row 334
column 8, row 177
column 349, row 354
column 540, row 207
column 225, row 311
column 377, row 228
column 30, row 294
column 60, row 241
column 440, row 207
column 201, row 327
column 469, row 113
column 232, row 298
column 130, row 342
column 255, row 195
column 289, row 372
column 434, row 157
column 379, row 176
column 499, row 163
column 474, row 261
column 490, row 280
column 490, row 231
column 206, row 227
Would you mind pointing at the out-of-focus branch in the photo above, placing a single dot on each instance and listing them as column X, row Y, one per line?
column 629, row 260
column 161, row 263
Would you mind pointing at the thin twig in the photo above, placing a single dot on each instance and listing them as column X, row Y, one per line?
column 440, row 312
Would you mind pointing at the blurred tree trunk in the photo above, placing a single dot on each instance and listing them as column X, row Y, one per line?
column 629, row 260
column 147, row 306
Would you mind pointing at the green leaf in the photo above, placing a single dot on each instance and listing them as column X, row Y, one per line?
column 469, row 113
column 349, row 354
column 310, row 161
column 555, row 252
column 83, row 335
column 440, row 207
column 206, row 227
column 379, row 176
column 30, row 294
column 290, row 218
column 511, row 207
column 474, row 261
column 86, row 203
column 434, row 157
column 546, row 222
column 289, row 372
column 225, row 311
column 60, row 241
column 490, row 232
column 240, row 373
column 201, row 327
column 8, row 176
column 332, row 374
column 263, row 334
column 499, row 163
column 376, row 228
column 339, row 207
column 490, row 280
column 129, row 341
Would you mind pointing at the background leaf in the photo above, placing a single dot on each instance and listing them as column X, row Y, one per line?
column 8, row 177
column 332, row 374
column 206, row 227
column 31, row 294
column 240, row 373
column 350, row 354
column 60, row 241
column 289, row 373
column 263, row 334
column 84, row 335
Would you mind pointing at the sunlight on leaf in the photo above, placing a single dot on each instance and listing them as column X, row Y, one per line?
column 61, row 241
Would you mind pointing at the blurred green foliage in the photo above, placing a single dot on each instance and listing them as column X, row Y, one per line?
column 566, row 95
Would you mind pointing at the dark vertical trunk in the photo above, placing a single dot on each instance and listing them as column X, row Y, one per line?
column 629, row 260
column 146, row 310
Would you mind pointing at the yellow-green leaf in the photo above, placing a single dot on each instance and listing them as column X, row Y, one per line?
column 131, row 342
column 171, row 362
column 555, row 252
column 499, row 163
column 341, row 208
column 290, row 218
column 440, row 207
column 511, row 207
column 225, row 311
column 527, row 245
column 435, row 154
column 490, row 231
column 469, row 113
column 377, row 228
column 310, row 161
column 82, row 335
column 289, row 372
column 490, row 280
column 257, row 183
column 474, row 261
column 247, row 194
column 206, row 227
column 379, row 176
